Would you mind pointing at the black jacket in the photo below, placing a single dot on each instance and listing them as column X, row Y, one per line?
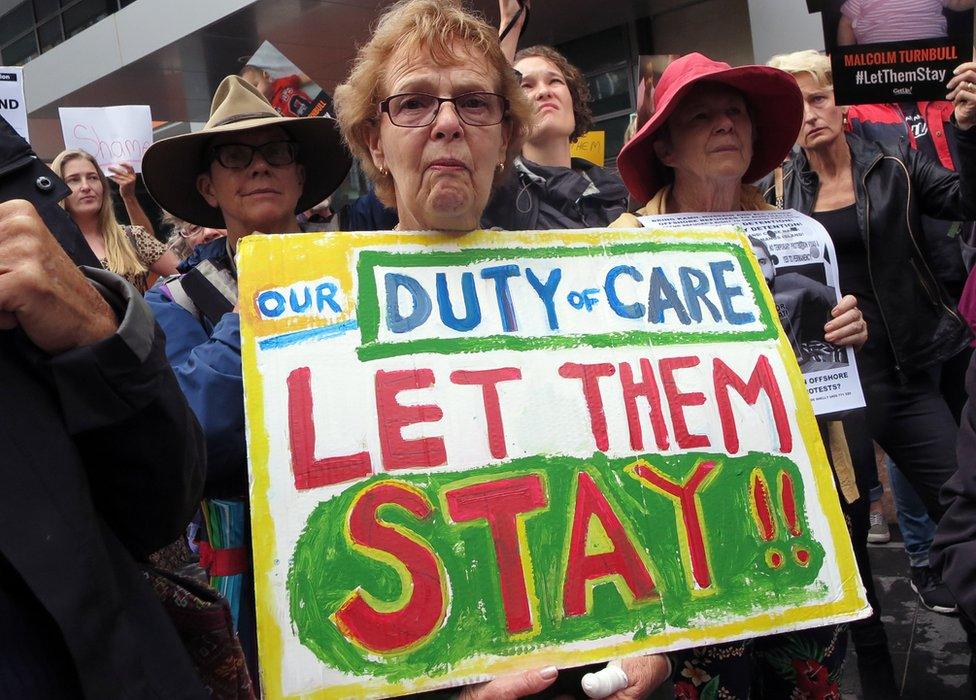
column 954, row 547
column 24, row 176
column 893, row 186
column 539, row 198
column 101, row 463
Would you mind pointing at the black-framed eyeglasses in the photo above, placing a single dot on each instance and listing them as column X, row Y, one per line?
column 239, row 155
column 417, row 109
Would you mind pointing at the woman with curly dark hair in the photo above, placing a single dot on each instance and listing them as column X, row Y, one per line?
column 548, row 188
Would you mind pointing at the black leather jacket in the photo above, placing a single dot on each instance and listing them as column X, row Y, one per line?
column 894, row 185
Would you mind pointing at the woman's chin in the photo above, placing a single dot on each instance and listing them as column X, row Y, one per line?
column 452, row 209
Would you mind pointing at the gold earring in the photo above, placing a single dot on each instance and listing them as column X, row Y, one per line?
column 501, row 167
column 383, row 172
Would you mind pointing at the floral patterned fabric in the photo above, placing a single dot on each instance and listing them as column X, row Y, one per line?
column 803, row 665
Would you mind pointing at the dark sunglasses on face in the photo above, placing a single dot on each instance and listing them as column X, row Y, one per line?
column 239, row 155
column 417, row 109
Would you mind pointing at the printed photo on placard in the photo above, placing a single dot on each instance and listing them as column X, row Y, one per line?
column 649, row 70
column 285, row 85
column 797, row 259
column 895, row 50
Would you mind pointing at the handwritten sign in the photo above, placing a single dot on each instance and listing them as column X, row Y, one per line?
column 112, row 134
column 589, row 146
column 471, row 457
column 13, row 107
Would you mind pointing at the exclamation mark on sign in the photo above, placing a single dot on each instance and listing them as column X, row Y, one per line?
column 762, row 511
column 788, row 499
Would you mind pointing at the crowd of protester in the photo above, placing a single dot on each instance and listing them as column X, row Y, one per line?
column 456, row 129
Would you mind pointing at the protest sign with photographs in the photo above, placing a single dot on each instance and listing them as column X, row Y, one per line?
column 286, row 87
column 505, row 451
column 895, row 50
column 649, row 71
column 797, row 259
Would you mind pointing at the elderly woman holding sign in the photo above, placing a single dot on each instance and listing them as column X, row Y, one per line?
column 432, row 110
column 435, row 114
column 715, row 129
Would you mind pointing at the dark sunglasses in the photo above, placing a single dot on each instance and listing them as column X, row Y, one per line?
column 240, row 155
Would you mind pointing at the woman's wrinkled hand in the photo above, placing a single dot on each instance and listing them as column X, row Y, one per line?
column 962, row 92
column 847, row 328
column 512, row 686
column 41, row 289
column 645, row 674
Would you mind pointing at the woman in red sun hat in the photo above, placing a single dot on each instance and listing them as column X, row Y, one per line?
column 714, row 130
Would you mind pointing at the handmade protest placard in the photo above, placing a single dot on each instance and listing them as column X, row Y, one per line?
column 13, row 107
column 590, row 146
column 114, row 135
column 481, row 454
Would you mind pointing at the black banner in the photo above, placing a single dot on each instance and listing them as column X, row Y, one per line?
column 905, row 72
column 880, row 56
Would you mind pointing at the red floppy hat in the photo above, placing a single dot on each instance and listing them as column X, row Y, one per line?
column 775, row 104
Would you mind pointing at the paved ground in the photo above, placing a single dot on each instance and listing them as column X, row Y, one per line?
column 928, row 650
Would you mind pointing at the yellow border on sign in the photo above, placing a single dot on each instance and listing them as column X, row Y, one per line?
column 264, row 260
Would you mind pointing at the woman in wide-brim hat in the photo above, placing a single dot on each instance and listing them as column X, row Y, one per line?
column 715, row 130
column 248, row 171
column 171, row 167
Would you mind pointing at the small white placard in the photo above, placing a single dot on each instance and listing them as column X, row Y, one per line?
column 113, row 135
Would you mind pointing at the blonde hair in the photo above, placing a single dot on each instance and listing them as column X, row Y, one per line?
column 431, row 28
column 811, row 62
column 119, row 251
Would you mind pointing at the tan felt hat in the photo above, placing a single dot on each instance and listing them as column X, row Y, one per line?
column 170, row 167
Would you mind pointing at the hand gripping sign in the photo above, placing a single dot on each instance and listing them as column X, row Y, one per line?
column 509, row 450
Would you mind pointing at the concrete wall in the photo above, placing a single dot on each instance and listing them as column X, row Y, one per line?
column 717, row 28
column 781, row 26
column 116, row 41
